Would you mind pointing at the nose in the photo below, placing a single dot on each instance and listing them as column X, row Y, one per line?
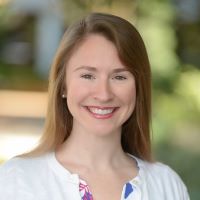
column 103, row 91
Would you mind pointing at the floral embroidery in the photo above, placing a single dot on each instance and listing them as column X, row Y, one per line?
column 84, row 191
column 128, row 190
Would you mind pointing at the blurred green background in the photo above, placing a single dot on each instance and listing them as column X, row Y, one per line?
column 170, row 29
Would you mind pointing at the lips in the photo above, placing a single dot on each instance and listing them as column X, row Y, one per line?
column 101, row 112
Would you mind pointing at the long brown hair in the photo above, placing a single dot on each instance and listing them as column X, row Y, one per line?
column 135, row 137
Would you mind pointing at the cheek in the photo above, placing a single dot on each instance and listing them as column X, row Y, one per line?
column 76, row 91
column 128, row 95
column 132, row 95
column 130, row 99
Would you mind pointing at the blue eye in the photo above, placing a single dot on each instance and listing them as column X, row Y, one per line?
column 87, row 76
column 120, row 77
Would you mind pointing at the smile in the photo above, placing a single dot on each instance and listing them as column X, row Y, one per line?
column 101, row 112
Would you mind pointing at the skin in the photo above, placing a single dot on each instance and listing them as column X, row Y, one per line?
column 101, row 96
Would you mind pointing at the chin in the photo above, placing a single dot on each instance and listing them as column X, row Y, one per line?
column 103, row 131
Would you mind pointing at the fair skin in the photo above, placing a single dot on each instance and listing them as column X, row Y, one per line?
column 101, row 95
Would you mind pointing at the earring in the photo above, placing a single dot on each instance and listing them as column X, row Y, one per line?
column 63, row 96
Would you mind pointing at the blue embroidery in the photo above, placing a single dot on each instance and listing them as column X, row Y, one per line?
column 87, row 196
column 128, row 190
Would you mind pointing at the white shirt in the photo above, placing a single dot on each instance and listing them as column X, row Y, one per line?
column 44, row 178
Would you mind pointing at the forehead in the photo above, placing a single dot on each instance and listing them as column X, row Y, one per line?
column 95, row 51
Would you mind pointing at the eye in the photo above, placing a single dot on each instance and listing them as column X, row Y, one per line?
column 119, row 77
column 87, row 76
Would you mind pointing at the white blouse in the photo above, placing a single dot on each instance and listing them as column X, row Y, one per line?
column 44, row 178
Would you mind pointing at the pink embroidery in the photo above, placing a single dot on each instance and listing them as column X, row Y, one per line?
column 84, row 191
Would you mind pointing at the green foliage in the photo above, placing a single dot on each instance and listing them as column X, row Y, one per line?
column 184, row 162
column 79, row 8
column 20, row 78
column 176, row 94
column 4, row 19
column 155, row 25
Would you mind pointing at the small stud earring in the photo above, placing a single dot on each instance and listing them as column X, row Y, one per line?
column 63, row 96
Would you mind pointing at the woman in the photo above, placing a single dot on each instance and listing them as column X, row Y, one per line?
column 96, row 143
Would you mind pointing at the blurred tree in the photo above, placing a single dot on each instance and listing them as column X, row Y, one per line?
column 155, row 22
column 176, row 105
column 4, row 21
column 79, row 8
column 188, row 31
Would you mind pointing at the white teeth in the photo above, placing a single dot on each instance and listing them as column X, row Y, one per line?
column 101, row 111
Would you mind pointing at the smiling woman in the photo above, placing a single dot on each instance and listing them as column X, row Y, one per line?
column 106, row 88
column 96, row 143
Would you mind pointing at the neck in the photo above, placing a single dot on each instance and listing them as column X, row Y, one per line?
column 91, row 150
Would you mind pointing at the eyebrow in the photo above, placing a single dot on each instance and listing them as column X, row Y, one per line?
column 89, row 68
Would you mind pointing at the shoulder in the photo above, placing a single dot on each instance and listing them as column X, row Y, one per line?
column 21, row 164
column 159, row 171
column 23, row 177
column 20, row 170
column 163, row 178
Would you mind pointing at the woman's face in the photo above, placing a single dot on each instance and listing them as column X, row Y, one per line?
column 100, row 91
